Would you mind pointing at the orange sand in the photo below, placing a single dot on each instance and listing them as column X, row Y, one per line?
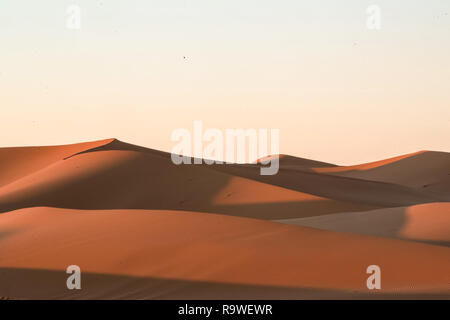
column 141, row 227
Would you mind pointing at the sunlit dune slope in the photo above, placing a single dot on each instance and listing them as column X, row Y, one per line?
column 18, row 162
column 204, row 249
column 429, row 223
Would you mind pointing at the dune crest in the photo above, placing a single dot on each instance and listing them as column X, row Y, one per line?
column 366, row 166
column 418, row 170
column 17, row 162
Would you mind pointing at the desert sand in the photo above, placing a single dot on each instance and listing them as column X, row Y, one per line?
column 141, row 227
column 426, row 223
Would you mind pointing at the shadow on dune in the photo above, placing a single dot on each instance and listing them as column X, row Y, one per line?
column 286, row 210
column 122, row 146
column 118, row 175
column 136, row 180
column 297, row 174
column 46, row 284
column 265, row 211
column 373, row 193
column 436, row 243
column 385, row 223
column 5, row 233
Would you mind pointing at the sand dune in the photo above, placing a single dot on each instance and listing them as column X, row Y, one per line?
column 141, row 178
column 290, row 162
column 16, row 163
column 207, row 248
column 117, row 175
column 367, row 166
column 429, row 223
column 417, row 170
column 118, row 179
column 142, row 227
column 358, row 191
column 441, row 187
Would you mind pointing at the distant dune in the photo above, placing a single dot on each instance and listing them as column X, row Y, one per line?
column 418, row 170
column 141, row 227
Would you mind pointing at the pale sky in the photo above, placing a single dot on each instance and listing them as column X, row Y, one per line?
column 337, row 91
